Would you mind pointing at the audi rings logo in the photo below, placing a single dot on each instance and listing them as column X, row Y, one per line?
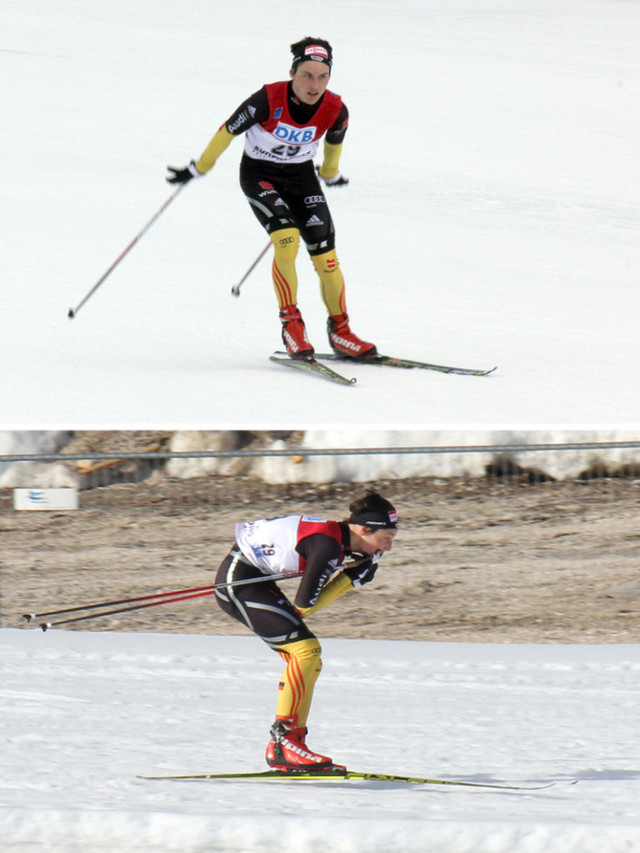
column 314, row 199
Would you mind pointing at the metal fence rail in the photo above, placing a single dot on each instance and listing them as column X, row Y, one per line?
column 530, row 463
column 165, row 455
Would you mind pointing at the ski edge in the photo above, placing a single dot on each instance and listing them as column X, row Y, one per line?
column 319, row 776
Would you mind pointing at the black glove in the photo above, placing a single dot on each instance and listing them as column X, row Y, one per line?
column 337, row 181
column 182, row 176
column 363, row 573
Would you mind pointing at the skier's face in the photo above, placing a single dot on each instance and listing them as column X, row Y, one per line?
column 310, row 79
column 377, row 540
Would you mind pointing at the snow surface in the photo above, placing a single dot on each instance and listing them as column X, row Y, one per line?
column 84, row 713
column 492, row 215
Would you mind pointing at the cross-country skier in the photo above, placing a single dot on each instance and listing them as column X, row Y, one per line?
column 317, row 549
column 284, row 123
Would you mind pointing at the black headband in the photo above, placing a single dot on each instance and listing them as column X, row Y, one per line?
column 376, row 518
column 314, row 52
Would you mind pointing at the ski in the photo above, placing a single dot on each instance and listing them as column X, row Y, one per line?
column 310, row 365
column 391, row 361
column 340, row 775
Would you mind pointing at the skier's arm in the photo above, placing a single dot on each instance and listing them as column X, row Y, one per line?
column 329, row 593
column 199, row 168
column 331, row 163
column 329, row 171
column 358, row 574
column 214, row 149
column 251, row 111
column 318, row 588
column 320, row 585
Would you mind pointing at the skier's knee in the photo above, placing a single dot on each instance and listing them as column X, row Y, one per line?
column 308, row 652
column 326, row 264
column 286, row 242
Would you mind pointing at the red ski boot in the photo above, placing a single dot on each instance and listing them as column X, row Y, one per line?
column 294, row 334
column 343, row 340
column 287, row 749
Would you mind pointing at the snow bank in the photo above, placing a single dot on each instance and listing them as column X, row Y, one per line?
column 564, row 464
column 34, row 474
column 520, row 452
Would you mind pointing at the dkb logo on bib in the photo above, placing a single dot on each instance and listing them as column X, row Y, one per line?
column 294, row 135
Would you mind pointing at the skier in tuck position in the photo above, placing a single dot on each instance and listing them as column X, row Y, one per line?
column 284, row 123
column 317, row 549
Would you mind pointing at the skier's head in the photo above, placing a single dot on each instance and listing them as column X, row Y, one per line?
column 310, row 49
column 374, row 511
column 373, row 522
column 310, row 69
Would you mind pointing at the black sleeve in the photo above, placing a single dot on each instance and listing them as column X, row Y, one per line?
column 322, row 554
column 337, row 131
column 255, row 109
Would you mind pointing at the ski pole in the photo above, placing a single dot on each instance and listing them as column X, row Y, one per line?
column 152, row 600
column 100, row 604
column 46, row 625
column 236, row 288
column 155, row 599
column 73, row 311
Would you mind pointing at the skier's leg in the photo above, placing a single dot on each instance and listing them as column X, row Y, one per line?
column 285, row 282
column 285, row 279
column 331, row 282
column 265, row 609
column 316, row 227
column 295, row 690
column 279, row 221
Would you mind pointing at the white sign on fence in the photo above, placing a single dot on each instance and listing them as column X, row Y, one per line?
column 65, row 498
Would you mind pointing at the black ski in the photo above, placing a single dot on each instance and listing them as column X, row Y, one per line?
column 391, row 361
column 333, row 774
column 310, row 365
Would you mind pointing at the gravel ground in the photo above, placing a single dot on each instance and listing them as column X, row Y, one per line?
column 507, row 562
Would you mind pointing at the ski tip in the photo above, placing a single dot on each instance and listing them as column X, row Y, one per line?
column 313, row 366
